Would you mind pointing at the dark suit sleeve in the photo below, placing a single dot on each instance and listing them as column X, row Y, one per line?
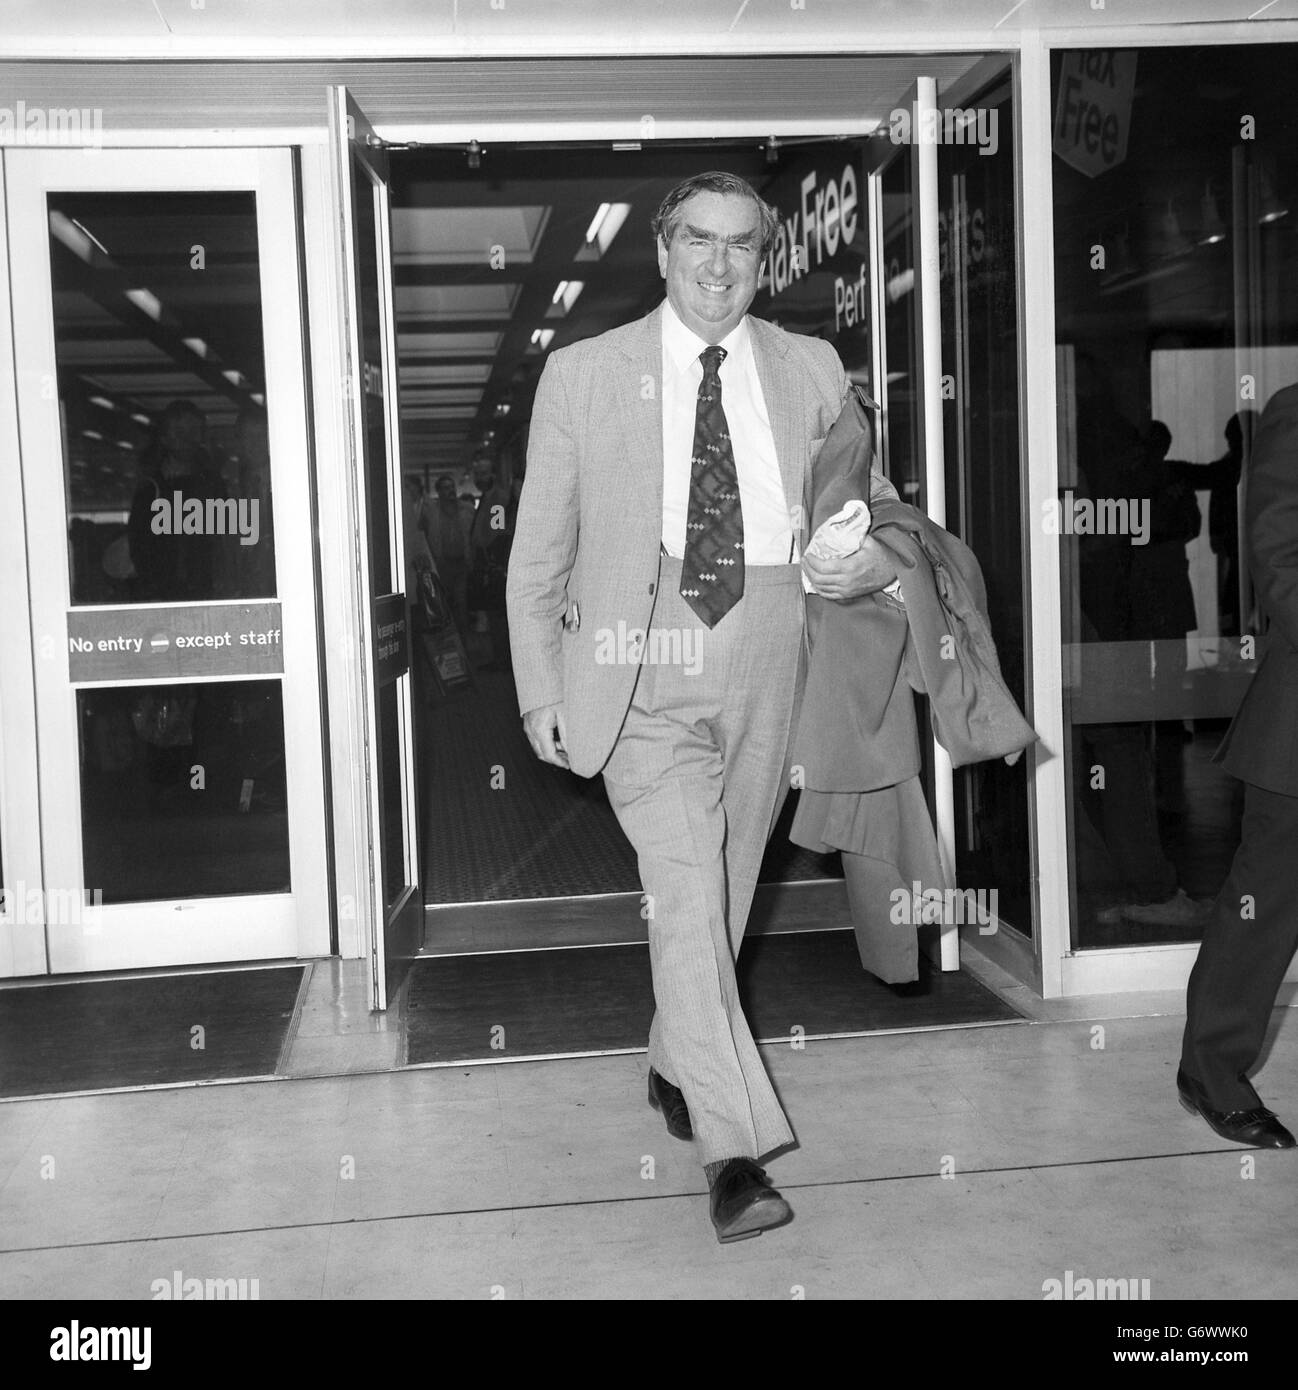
column 1272, row 513
column 880, row 488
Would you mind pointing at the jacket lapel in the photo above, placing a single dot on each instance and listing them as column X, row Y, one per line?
column 783, row 392
column 639, row 402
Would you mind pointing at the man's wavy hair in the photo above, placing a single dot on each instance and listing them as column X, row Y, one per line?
column 668, row 216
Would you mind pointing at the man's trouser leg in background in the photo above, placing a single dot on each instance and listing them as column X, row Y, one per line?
column 693, row 779
column 1247, row 945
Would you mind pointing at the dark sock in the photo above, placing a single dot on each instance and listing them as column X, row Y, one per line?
column 712, row 1170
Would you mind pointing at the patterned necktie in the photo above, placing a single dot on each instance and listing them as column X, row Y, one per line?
column 712, row 576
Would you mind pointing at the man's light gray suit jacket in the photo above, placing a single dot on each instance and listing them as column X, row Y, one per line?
column 589, row 530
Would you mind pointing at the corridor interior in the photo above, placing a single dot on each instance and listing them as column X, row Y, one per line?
column 485, row 261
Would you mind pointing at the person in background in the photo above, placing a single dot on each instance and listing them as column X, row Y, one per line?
column 490, row 539
column 419, row 555
column 255, row 564
column 1162, row 598
column 1221, row 478
column 171, row 566
column 1124, row 873
column 448, row 539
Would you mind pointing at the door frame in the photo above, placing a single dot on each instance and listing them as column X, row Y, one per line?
column 395, row 930
column 22, row 952
column 143, row 934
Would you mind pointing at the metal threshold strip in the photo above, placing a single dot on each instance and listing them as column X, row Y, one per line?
column 761, row 1042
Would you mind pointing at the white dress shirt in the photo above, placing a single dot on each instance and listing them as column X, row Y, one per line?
column 768, row 532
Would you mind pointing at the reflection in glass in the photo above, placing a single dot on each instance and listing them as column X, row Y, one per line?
column 390, row 790
column 902, row 425
column 1176, row 321
column 382, row 578
column 161, row 365
column 183, row 791
column 979, row 293
column 371, row 371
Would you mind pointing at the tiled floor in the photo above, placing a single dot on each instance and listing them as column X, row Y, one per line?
column 970, row 1163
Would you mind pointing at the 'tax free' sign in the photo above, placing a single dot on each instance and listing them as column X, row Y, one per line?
column 1093, row 109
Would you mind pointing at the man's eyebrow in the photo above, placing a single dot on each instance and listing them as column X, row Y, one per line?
column 702, row 234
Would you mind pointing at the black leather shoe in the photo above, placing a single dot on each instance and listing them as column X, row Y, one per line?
column 742, row 1202
column 1257, row 1128
column 667, row 1098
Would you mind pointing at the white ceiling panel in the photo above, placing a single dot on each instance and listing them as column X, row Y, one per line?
column 451, row 373
column 466, row 236
column 425, row 99
column 451, row 302
column 412, row 347
column 438, row 412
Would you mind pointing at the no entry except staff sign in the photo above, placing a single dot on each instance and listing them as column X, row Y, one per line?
column 147, row 644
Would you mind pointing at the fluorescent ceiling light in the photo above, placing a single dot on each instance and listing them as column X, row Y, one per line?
column 86, row 232
column 196, row 345
column 542, row 337
column 565, row 295
column 92, row 434
column 147, row 303
column 900, row 285
column 141, row 419
column 606, row 224
column 102, row 402
column 74, row 236
column 233, row 377
column 597, row 221
column 65, row 230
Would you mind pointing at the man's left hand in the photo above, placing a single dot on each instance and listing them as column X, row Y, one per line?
column 864, row 572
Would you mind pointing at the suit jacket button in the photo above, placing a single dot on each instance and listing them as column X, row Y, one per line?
column 651, row 588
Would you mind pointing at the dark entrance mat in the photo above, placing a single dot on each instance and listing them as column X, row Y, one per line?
column 537, row 1003
column 93, row 1034
column 553, row 835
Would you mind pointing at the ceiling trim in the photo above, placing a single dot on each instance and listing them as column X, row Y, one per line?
column 847, row 34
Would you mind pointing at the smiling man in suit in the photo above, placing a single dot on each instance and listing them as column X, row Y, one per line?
column 656, row 611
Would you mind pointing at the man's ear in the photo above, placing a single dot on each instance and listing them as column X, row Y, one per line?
column 662, row 258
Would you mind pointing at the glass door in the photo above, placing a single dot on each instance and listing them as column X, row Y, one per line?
column 163, row 463
column 907, row 316
column 978, row 273
column 370, row 389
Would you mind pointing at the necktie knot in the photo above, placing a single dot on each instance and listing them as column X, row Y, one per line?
column 712, row 358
